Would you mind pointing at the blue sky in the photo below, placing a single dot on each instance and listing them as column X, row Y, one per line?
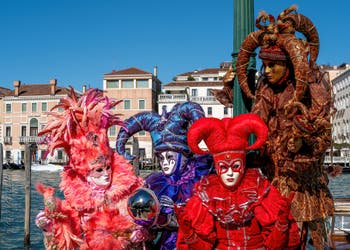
column 78, row 41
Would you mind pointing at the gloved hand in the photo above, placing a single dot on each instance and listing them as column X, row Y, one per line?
column 141, row 234
column 43, row 222
column 166, row 205
column 184, row 221
column 284, row 211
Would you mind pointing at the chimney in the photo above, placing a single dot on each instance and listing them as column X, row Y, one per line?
column 16, row 84
column 53, row 83
column 84, row 89
column 155, row 71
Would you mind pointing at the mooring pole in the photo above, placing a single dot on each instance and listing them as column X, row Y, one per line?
column 27, row 189
column 135, row 151
column 1, row 175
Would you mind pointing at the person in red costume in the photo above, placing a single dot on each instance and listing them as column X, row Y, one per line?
column 237, row 208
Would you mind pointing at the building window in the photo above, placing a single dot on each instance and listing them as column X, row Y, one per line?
column 210, row 111
column 24, row 131
column 8, row 108
column 209, row 92
column 142, row 83
column 8, row 131
column 194, row 92
column 225, row 111
column 24, row 107
column 33, row 129
column 8, row 155
column 127, row 84
column 44, row 106
column 34, row 107
column 59, row 155
column 142, row 152
column 142, row 104
column 112, row 131
column 112, row 84
column 142, row 133
column 127, row 104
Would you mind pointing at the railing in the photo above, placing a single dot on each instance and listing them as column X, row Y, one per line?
column 204, row 99
column 8, row 140
column 337, row 159
column 164, row 98
column 29, row 139
column 340, row 222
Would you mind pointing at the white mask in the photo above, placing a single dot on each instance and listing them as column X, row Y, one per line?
column 231, row 173
column 167, row 161
column 100, row 176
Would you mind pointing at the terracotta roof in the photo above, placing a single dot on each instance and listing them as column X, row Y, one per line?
column 4, row 91
column 193, row 84
column 209, row 71
column 38, row 89
column 204, row 71
column 129, row 71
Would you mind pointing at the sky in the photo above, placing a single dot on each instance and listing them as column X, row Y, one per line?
column 77, row 42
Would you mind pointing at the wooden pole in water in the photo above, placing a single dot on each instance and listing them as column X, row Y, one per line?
column 27, row 189
column 1, row 174
column 135, row 151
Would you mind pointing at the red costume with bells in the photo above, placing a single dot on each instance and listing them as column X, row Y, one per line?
column 238, row 207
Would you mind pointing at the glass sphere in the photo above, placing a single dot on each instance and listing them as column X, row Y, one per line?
column 143, row 205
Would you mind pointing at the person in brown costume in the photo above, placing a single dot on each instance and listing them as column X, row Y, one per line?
column 294, row 99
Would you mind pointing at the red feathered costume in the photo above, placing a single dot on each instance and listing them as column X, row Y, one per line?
column 243, row 211
column 96, row 182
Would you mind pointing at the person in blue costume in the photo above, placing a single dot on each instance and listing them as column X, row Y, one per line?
column 181, row 169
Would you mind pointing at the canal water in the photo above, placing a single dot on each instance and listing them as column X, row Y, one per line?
column 12, row 205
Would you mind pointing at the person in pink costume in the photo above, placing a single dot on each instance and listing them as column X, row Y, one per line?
column 237, row 208
column 96, row 182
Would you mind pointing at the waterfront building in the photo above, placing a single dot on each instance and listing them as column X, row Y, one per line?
column 340, row 79
column 23, row 115
column 341, row 120
column 195, row 86
column 138, row 89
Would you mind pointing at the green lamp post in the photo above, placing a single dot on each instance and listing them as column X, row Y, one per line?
column 243, row 16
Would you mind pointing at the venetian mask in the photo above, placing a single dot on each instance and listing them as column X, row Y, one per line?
column 274, row 70
column 230, row 167
column 170, row 161
column 100, row 175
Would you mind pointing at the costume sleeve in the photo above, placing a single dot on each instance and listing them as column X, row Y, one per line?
column 196, row 226
column 278, row 227
column 263, row 103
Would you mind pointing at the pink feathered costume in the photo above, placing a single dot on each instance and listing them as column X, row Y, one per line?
column 91, row 216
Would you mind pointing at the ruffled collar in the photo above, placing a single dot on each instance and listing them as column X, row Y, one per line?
column 82, row 197
column 180, row 187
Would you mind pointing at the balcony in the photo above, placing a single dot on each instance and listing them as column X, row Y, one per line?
column 204, row 99
column 171, row 98
column 29, row 139
column 8, row 140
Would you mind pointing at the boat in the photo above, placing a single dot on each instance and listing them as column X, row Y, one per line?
column 339, row 225
column 12, row 166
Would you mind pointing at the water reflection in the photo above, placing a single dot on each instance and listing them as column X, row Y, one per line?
column 12, row 205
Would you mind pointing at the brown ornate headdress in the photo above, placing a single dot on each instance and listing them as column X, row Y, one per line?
column 281, row 34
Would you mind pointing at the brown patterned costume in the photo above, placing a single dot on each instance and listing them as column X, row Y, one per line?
column 297, row 112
